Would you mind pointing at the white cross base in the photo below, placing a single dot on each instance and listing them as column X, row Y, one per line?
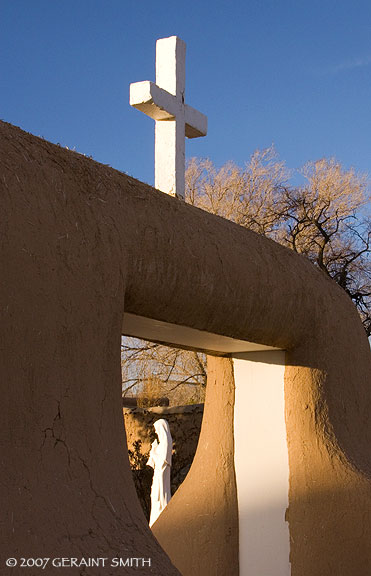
column 164, row 102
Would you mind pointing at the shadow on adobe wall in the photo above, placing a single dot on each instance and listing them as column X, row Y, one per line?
column 334, row 548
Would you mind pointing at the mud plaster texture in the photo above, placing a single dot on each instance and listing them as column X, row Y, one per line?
column 185, row 425
column 205, row 505
column 81, row 242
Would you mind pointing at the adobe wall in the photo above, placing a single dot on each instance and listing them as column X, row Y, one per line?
column 66, row 487
column 81, row 243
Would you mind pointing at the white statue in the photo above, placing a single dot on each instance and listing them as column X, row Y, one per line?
column 160, row 460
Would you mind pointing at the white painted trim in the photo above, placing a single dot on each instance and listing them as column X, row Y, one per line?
column 172, row 334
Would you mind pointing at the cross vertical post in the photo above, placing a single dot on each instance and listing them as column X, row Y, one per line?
column 170, row 135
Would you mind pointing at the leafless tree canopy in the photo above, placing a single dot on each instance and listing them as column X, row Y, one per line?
column 326, row 218
column 146, row 364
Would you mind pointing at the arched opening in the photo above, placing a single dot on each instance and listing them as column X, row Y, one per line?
column 161, row 382
column 260, row 447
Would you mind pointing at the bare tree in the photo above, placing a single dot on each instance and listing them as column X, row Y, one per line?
column 145, row 364
column 325, row 219
column 248, row 196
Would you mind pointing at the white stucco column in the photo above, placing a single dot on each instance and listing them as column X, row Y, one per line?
column 261, row 463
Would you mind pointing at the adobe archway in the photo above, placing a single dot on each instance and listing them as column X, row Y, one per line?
column 81, row 244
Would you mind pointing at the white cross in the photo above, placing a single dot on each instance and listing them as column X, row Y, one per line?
column 164, row 102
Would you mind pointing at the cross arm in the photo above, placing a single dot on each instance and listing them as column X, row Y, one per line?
column 154, row 101
column 195, row 123
column 161, row 105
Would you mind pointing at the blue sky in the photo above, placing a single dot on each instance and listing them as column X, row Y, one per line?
column 293, row 73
